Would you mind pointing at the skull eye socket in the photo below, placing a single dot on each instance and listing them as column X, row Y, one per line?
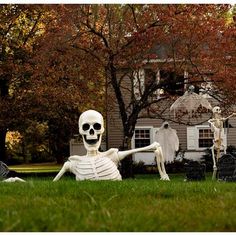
column 85, row 127
column 97, row 126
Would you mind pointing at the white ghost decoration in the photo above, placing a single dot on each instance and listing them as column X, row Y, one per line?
column 169, row 141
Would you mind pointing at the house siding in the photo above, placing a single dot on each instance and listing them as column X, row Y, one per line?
column 114, row 129
column 115, row 133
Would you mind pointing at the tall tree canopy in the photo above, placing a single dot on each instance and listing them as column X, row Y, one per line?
column 19, row 26
column 82, row 47
column 40, row 78
column 195, row 38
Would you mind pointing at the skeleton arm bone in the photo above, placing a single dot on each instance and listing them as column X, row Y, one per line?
column 233, row 114
column 211, row 121
column 222, row 118
column 123, row 154
column 212, row 124
column 64, row 169
column 158, row 153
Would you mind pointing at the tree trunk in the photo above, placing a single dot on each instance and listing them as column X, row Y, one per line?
column 4, row 91
column 58, row 140
column 126, row 169
column 3, row 132
column 59, row 148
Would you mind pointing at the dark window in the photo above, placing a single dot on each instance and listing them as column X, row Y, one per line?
column 142, row 137
column 205, row 138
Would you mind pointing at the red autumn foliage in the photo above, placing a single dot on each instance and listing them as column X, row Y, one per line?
column 82, row 47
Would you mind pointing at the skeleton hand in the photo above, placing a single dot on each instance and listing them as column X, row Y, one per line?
column 13, row 179
column 64, row 169
column 155, row 145
column 160, row 163
column 165, row 177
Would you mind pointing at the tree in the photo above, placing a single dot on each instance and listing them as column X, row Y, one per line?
column 120, row 40
column 19, row 27
column 39, row 83
column 65, row 87
column 90, row 46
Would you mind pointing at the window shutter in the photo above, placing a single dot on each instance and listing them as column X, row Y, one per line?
column 225, row 137
column 191, row 138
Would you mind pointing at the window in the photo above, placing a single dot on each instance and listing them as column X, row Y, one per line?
column 145, row 77
column 200, row 137
column 205, row 138
column 142, row 137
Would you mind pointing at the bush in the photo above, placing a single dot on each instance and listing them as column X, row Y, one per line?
column 231, row 150
column 139, row 167
column 207, row 157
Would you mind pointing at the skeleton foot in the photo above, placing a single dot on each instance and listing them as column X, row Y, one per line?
column 214, row 174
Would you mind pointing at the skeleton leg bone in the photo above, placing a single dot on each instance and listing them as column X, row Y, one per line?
column 224, row 148
column 214, row 162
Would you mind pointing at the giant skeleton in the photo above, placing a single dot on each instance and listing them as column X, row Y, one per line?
column 96, row 165
column 217, row 123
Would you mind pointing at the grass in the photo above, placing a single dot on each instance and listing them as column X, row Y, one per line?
column 143, row 204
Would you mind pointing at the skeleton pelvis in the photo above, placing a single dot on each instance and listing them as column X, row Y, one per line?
column 218, row 143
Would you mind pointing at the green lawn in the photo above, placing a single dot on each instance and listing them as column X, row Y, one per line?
column 143, row 204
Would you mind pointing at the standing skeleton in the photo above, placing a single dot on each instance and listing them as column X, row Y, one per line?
column 97, row 165
column 216, row 124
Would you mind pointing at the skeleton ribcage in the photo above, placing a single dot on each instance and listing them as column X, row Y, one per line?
column 100, row 168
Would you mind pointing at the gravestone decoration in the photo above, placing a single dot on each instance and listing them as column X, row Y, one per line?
column 8, row 175
column 3, row 170
column 96, row 165
column 227, row 168
column 195, row 170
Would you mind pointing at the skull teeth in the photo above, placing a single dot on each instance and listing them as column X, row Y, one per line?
column 91, row 141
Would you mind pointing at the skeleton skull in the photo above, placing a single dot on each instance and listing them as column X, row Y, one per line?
column 91, row 127
column 216, row 110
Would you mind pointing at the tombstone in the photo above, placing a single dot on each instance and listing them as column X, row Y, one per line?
column 3, row 170
column 195, row 170
column 227, row 168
